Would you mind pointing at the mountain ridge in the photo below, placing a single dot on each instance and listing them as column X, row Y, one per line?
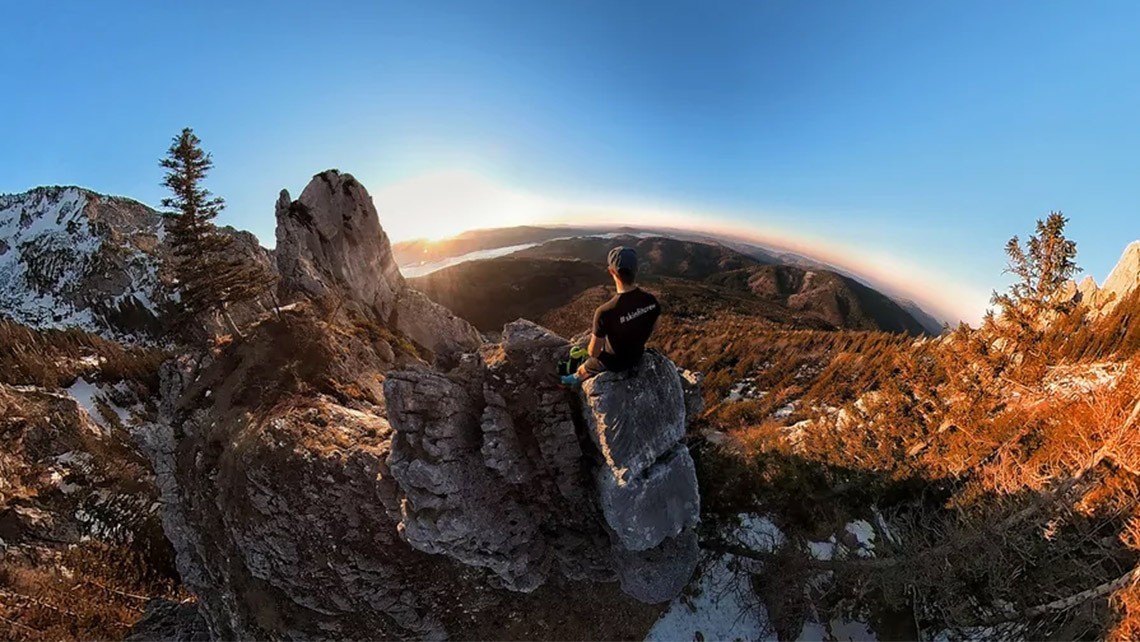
column 420, row 253
column 74, row 257
column 534, row 282
column 66, row 252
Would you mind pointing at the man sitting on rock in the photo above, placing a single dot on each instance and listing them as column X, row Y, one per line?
column 622, row 325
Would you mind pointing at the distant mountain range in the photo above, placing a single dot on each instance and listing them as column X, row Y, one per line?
column 71, row 257
column 834, row 296
column 565, row 278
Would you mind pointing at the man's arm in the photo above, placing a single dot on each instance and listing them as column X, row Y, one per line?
column 598, row 335
column 595, row 347
column 656, row 316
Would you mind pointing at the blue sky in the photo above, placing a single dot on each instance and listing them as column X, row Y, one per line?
column 917, row 134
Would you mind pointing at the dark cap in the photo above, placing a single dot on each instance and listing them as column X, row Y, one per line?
column 624, row 258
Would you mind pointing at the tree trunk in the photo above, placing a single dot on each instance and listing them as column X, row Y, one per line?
column 276, row 302
column 230, row 320
column 1077, row 599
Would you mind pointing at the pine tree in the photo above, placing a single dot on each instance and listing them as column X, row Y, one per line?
column 211, row 275
column 1043, row 265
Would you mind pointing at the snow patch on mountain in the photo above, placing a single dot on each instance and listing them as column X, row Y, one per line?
column 49, row 232
column 721, row 604
column 71, row 258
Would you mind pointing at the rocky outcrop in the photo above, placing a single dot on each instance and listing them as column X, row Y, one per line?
column 500, row 468
column 273, row 485
column 637, row 415
column 647, row 485
column 304, row 502
column 330, row 238
column 1121, row 282
column 1087, row 289
column 1124, row 277
column 330, row 244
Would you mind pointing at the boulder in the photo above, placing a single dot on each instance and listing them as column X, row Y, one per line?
column 635, row 417
column 659, row 574
column 653, row 506
column 523, row 335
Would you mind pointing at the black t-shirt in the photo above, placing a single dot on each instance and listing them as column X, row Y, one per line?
column 625, row 322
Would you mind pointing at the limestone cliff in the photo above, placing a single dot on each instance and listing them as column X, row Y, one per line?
column 304, row 501
column 320, row 478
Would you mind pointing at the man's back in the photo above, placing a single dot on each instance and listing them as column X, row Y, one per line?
column 625, row 322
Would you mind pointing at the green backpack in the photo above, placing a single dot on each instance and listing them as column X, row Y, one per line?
column 578, row 356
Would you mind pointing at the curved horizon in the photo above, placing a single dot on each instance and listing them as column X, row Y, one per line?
column 461, row 197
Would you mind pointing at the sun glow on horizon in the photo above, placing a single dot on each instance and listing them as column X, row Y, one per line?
column 443, row 204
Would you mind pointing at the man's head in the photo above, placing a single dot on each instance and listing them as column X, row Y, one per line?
column 623, row 264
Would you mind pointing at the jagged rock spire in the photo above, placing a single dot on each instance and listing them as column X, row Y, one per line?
column 331, row 238
column 330, row 243
column 1122, row 281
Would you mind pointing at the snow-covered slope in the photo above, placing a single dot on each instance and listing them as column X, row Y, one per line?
column 70, row 257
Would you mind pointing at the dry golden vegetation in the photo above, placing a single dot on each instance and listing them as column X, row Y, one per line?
column 54, row 358
column 88, row 591
column 81, row 548
column 1005, row 457
column 828, row 367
